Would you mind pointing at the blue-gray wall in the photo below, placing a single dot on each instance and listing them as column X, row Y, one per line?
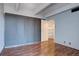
column 1, row 28
column 21, row 30
column 67, row 28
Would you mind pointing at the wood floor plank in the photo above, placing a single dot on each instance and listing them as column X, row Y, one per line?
column 47, row 48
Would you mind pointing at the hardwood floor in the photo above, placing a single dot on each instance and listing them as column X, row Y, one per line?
column 61, row 50
column 48, row 48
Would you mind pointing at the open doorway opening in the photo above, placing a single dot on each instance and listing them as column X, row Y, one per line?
column 47, row 37
column 47, row 30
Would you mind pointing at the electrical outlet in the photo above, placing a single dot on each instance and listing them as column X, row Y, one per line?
column 69, row 43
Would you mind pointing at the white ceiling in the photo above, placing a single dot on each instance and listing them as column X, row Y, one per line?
column 33, row 7
column 28, row 9
column 38, row 10
column 56, row 8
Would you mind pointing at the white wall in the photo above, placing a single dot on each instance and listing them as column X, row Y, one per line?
column 51, row 28
column 1, row 28
column 44, row 30
column 67, row 28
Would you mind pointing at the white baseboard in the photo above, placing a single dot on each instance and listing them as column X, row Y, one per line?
column 1, row 50
column 67, row 45
column 22, row 44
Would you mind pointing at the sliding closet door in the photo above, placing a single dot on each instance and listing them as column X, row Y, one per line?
column 29, row 30
column 10, row 30
column 21, row 30
column 37, row 30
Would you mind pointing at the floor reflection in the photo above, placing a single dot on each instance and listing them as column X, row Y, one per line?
column 46, row 48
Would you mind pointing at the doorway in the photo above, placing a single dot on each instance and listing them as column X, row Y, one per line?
column 47, row 37
column 47, row 30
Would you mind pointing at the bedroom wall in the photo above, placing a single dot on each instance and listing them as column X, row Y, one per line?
column 21, row 30
column 67, row 28
column 1, row 28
